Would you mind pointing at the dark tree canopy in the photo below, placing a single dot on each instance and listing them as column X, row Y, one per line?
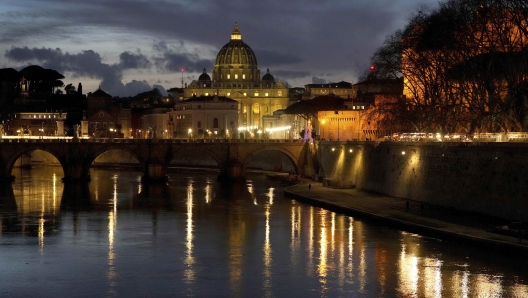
column 465, row 66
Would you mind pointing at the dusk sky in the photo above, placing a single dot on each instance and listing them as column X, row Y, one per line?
column 132, row 46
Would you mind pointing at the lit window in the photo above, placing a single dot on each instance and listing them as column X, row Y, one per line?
column 236, row 76
column 228, row 76
column 245, row 94
column 279, row 93
column 243, row 76
column 266, row 94
column 256, row 94
column 228, row 93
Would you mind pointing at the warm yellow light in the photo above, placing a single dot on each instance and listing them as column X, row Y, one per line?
column 350, row 150
column 403, row 152
column 333, row 149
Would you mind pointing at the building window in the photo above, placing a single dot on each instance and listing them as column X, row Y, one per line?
column 228, row 76
column 256, row 94
column 228, row 93
column 215, row 123
column 245, row 94
column 243, row 77
column 266, row 94
column 236, row 76
column 279, row 93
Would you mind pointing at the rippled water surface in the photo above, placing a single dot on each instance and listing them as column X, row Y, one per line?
column 116, row 237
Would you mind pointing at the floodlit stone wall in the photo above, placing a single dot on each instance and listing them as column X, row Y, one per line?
column 490, row 178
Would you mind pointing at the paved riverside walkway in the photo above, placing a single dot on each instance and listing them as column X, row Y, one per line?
column 427, row 219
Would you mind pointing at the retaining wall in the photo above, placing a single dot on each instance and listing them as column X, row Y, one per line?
column 490, row 178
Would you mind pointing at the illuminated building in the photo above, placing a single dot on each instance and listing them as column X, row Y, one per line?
column 236, row 76
column 104, row 118
column 342, row 89
column 203, row 116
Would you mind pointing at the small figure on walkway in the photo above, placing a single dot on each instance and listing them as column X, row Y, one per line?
column 407, row 206
column 309, row 186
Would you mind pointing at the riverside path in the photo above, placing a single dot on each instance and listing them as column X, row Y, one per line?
column 432, row 220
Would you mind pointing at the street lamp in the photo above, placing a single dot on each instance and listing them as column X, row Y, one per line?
column 189, row 132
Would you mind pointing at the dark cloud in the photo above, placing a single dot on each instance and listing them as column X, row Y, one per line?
column 316, row 80
column 87, row 64
column 27, row 54
column 290, row 74
column 130, row 60
column 334, row 37
column 274, row 58
column 174, row 62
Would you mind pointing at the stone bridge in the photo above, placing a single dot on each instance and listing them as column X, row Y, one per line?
column 77, row 155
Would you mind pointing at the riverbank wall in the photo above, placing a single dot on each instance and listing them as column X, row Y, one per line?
column 489, row 178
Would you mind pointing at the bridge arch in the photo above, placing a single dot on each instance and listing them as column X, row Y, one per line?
column 295, row 160
column 181, row 155
column 9, row 162
column 116, row 155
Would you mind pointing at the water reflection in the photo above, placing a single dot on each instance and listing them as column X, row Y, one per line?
column 241, row 240
column 189, row 259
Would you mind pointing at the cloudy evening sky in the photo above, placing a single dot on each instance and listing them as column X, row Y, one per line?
column 131, row 46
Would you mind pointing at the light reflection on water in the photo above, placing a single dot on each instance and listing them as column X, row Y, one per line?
column 194, row 237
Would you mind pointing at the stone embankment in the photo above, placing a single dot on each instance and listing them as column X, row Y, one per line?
column 414, row 216
column 487, row 178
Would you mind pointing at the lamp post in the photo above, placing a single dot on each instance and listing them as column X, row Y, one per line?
column 189, row 132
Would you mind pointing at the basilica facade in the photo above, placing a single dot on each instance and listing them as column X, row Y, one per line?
column 236, row 76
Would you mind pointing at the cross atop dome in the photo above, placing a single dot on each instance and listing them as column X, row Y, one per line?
column 236, row 35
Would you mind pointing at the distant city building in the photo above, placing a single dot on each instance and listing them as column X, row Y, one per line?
column 36, row 124
column 176, row 94
column 106, row 119
column 342, row 89
column 379, row 96
column 236, row 76
column 154, row 124
column 204, row 116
